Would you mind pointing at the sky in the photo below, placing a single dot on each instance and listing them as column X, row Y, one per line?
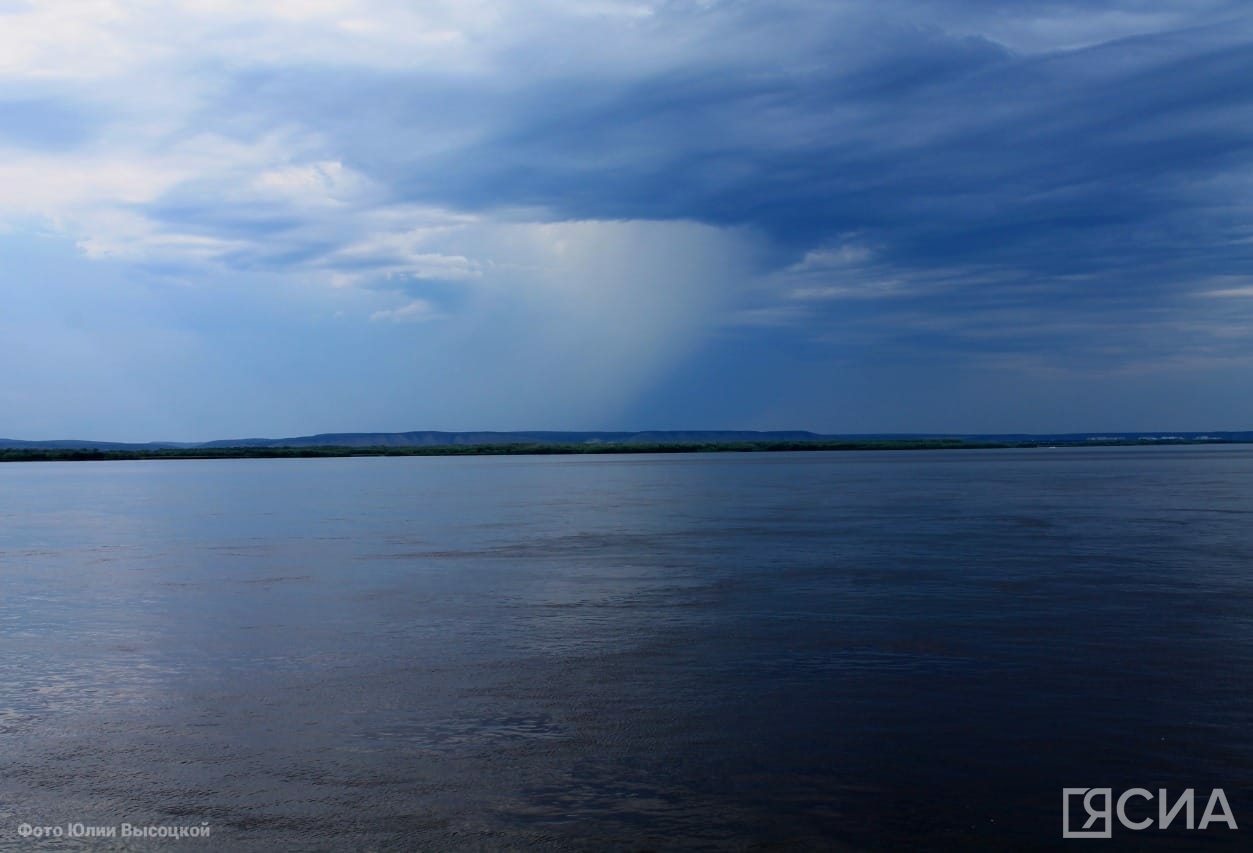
column 223, row 219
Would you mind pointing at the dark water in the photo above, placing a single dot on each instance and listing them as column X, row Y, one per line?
column 895, row 650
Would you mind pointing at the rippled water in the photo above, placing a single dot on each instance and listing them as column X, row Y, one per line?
column 880, row 650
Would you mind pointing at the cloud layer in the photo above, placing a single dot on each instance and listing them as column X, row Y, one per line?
column 362, row 214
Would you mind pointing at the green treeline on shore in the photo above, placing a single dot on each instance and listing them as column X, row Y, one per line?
column 31, row 454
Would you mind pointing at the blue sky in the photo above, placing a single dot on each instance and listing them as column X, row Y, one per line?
column 225, row 218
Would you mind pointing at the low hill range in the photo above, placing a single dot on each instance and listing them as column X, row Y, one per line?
column 434, row 438
column 431, row 438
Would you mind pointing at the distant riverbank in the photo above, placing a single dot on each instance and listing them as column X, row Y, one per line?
column 29, row 454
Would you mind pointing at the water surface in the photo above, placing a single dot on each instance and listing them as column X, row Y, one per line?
column 858, row 650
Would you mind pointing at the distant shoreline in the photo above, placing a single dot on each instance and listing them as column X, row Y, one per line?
column 37, row 454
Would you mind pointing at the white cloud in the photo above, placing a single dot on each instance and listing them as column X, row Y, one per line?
column 320, row 184
column 415, row 310
column 1233, row 286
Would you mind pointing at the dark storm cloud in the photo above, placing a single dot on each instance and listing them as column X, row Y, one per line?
column 952, row 150
column 944, row 147
column 861, row 210
column 1054, row 183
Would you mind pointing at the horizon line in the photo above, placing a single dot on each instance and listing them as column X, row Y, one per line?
column 662, row 432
